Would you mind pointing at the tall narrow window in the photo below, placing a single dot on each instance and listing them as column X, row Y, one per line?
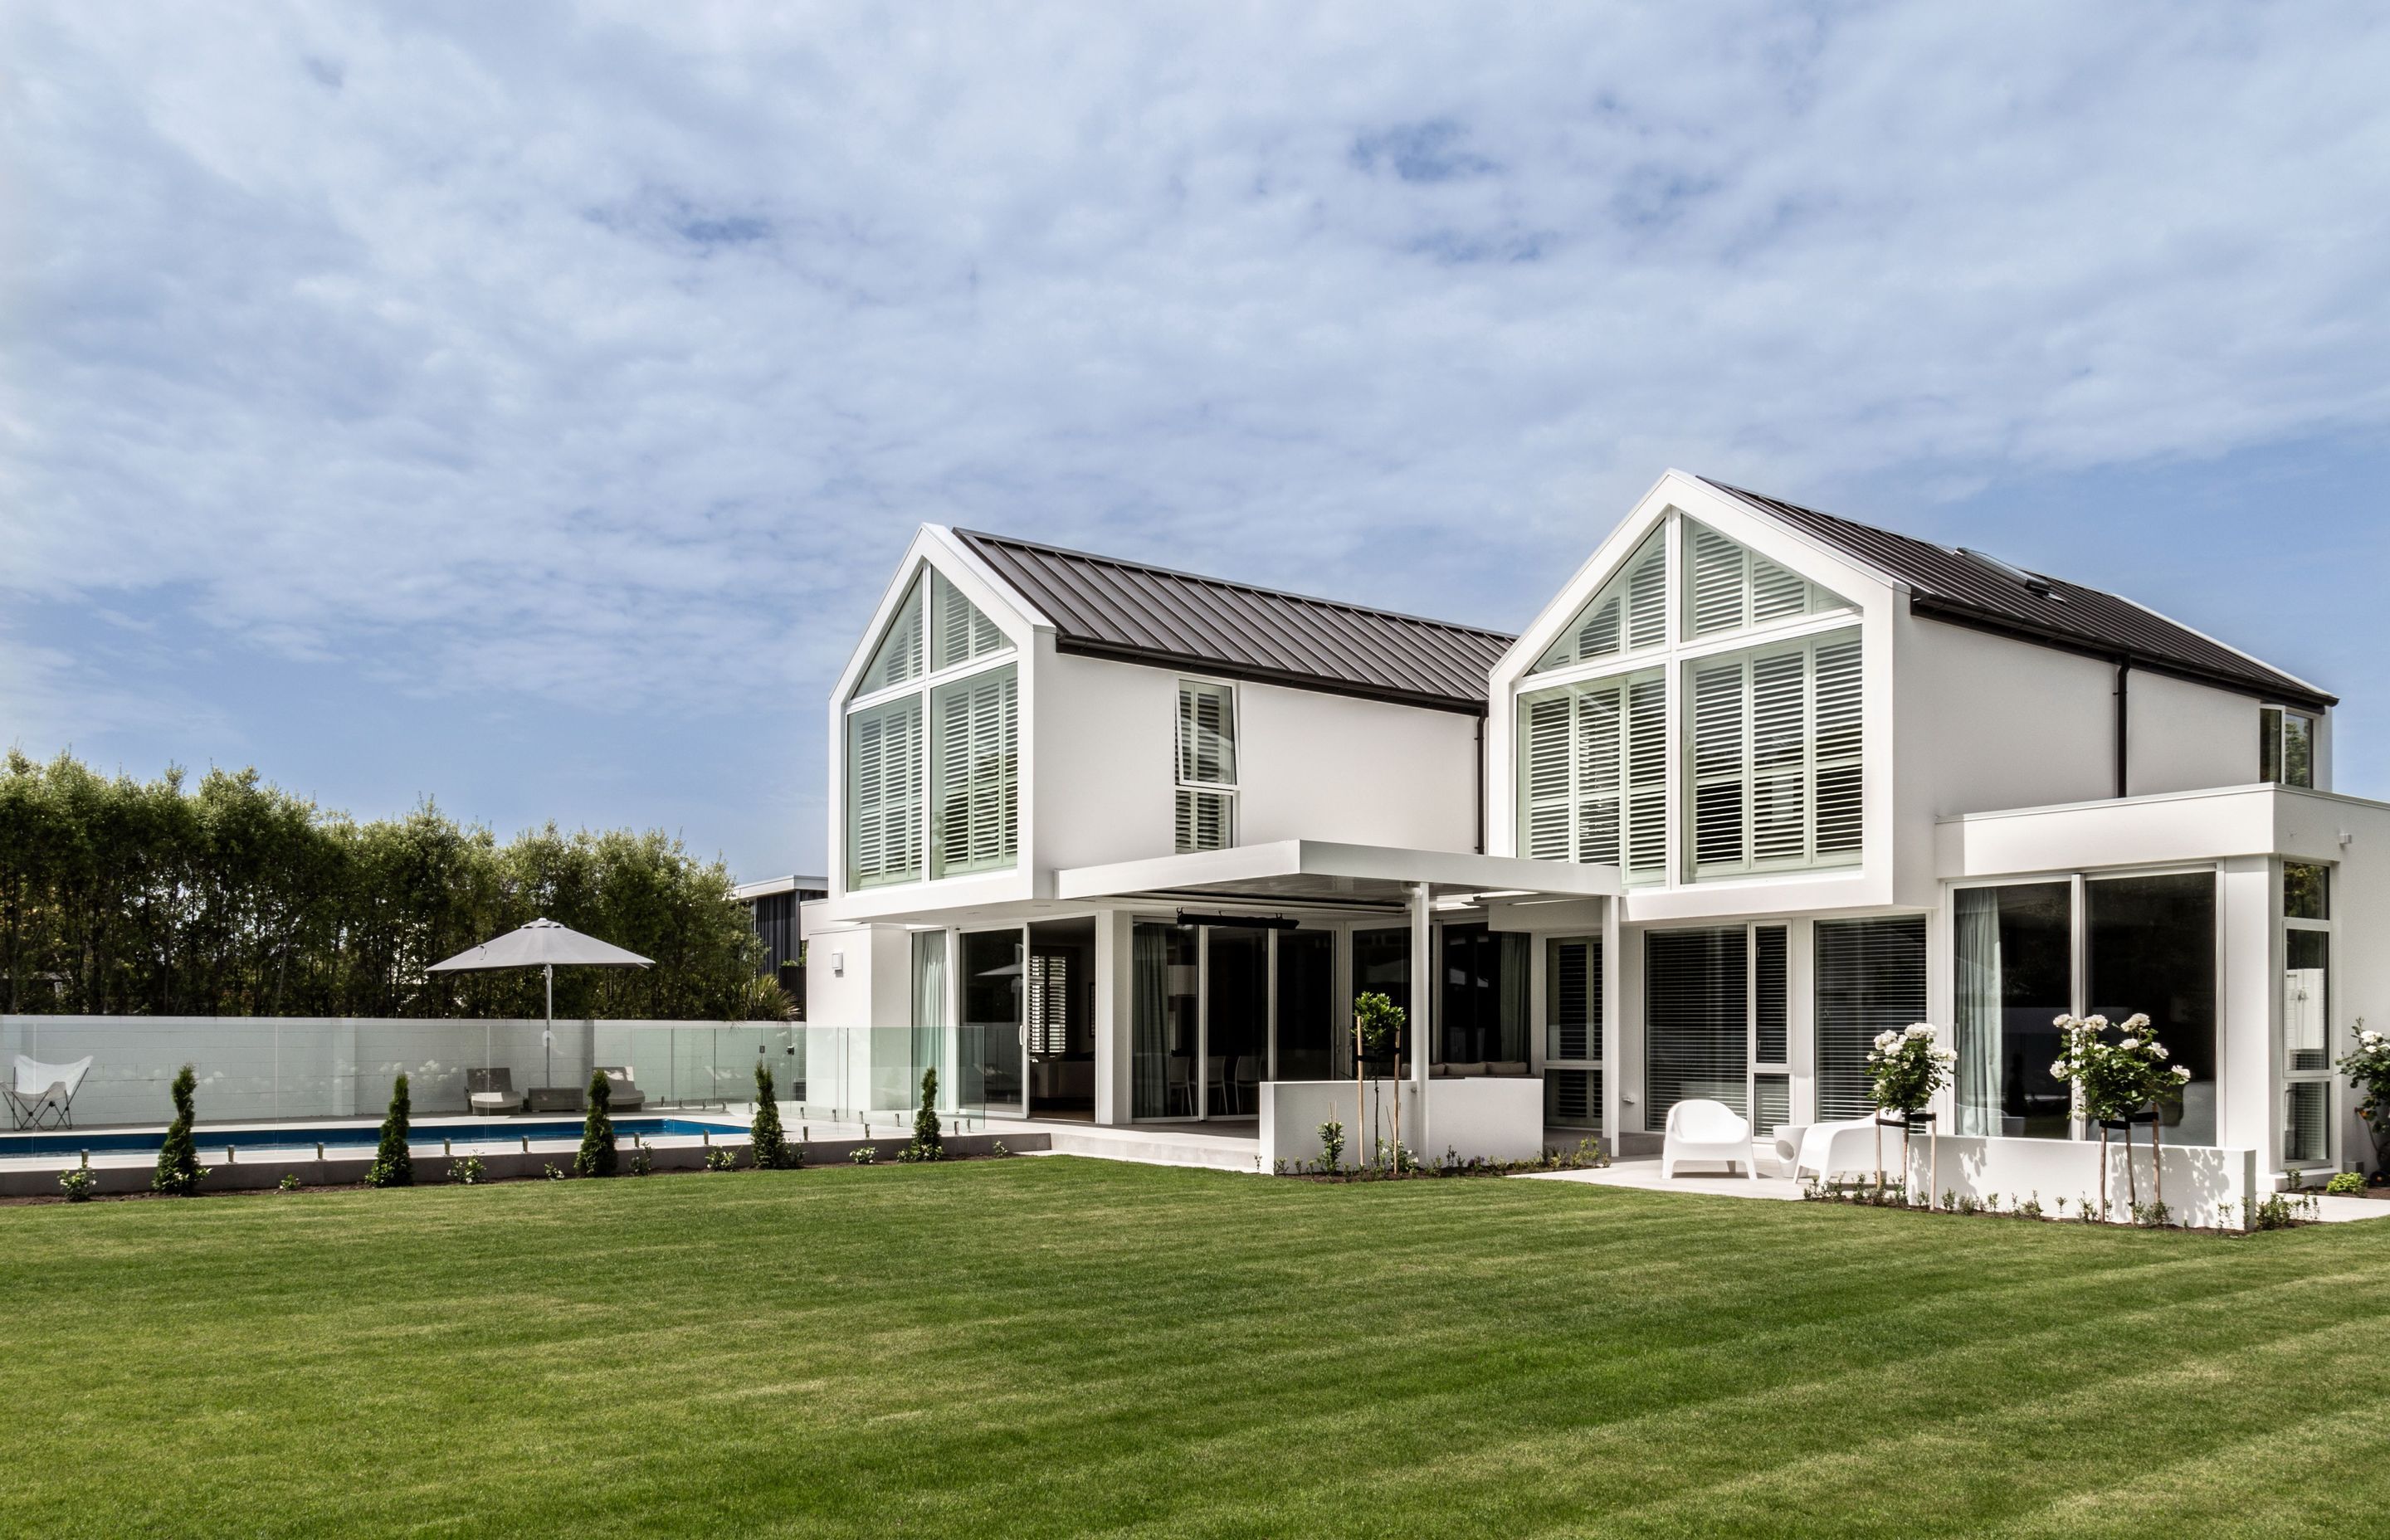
column 1573, row 1032
column 2307, row 1013
column 975, row 773
column 1628, row 615
column 1775, row 757
column 1207, row 765
column 883, row 793
column 1697, row 1020
column 1729, row 586
column 1870, row 977
column 1770, row 1010
column 1593, row 765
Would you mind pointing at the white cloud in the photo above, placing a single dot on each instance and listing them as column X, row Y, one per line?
column 603, row 350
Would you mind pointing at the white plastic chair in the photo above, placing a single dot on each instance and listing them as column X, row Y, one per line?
column 1825, row 1149
column 1706, row 1131
column 44, row 1095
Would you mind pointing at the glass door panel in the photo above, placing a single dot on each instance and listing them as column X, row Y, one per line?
column 1161, row 1020
column 2015, row 977
column 1237, row 1022
column 992, row 1066
column 2150, row 945
column 1306, row 1004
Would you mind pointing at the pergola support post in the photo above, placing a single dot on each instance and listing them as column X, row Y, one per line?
column 1423, row 997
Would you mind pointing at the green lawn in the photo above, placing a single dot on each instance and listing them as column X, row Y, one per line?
column 1047, row 1346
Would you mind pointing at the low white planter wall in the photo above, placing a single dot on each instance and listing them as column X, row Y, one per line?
column 1487, row 1118
column 1293, row 1110
column 1490, row 1118
column 2204, row 1185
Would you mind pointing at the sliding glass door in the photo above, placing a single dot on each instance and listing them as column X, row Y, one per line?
column 1217, row 1009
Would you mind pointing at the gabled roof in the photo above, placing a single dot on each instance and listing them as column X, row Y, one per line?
column 1103, row 606
column 1973, row 590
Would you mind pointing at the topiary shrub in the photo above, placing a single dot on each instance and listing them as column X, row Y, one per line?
column 929, row 1139
column 394, row 1166
column 771, row 1144
column 596, row 1155
column 178, row 1159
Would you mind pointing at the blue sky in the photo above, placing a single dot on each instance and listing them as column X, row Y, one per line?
column 522, row 406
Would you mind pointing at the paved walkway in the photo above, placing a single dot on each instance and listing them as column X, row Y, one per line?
column 1644, row 1175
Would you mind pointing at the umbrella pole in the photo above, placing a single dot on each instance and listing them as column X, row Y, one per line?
column 548, row 1036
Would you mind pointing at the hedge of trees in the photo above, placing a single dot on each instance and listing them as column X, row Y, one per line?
column 234, row 897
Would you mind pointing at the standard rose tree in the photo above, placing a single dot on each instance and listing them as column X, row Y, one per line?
column 1906, row 1070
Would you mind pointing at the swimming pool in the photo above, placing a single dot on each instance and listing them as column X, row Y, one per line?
column 425, row 1135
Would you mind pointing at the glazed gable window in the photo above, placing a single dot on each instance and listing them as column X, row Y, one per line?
column 933, row 744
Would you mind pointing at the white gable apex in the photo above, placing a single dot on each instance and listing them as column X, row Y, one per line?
column 935, row 547
column 1680, row 492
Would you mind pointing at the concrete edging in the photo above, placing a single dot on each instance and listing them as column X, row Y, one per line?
column 431, row 1170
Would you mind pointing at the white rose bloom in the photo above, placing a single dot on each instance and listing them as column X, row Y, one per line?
column 2135, row 1021
column 2058, row 1071
column 2182, row 1074
column 2130, row 1043
column 2062, row 1020
column 2096, row 1023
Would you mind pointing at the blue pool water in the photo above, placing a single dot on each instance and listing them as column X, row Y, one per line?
column 422, row 1135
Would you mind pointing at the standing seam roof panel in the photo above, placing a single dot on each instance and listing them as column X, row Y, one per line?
column 1102, row 604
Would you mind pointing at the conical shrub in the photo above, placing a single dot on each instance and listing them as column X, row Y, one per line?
column 771, row 1143
column 596, row 1155
column 394, row 1166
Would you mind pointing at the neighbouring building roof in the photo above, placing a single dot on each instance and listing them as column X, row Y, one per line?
column 1106, row 608
column 1968, row 588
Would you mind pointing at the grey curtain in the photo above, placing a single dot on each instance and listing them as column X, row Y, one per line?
column 1978, row 1090
column 1149, row 1047
column 1514, row 996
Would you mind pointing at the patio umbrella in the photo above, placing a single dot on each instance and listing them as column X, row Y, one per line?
column 548, row 946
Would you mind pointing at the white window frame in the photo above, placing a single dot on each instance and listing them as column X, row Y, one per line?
column 2078, row 956
column 1226, row 790
column 2273, row 741
column 922, row 686
column 1692, row 781
column 2328, row 929
column 1629, row 791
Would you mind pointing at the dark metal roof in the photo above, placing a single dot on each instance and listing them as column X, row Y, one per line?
column 1106, row 608
column 1971, row 590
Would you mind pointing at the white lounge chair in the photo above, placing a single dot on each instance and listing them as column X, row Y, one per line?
column 43, row 1095
column 1706, row 1131
column 1825, row 1149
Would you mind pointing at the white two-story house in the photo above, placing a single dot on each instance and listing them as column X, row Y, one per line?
column 1118, row 843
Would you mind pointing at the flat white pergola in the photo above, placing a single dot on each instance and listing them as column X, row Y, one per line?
column 1293, row 873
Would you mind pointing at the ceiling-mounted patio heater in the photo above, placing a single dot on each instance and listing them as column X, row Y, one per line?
column 1238, row 922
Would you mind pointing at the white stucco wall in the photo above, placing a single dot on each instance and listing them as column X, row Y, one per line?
column 1993, row 723
column 2185, row 735
column 1310, row 766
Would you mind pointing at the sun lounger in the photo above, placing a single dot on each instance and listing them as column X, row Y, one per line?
column 623, row 1096
column 491, row 1093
